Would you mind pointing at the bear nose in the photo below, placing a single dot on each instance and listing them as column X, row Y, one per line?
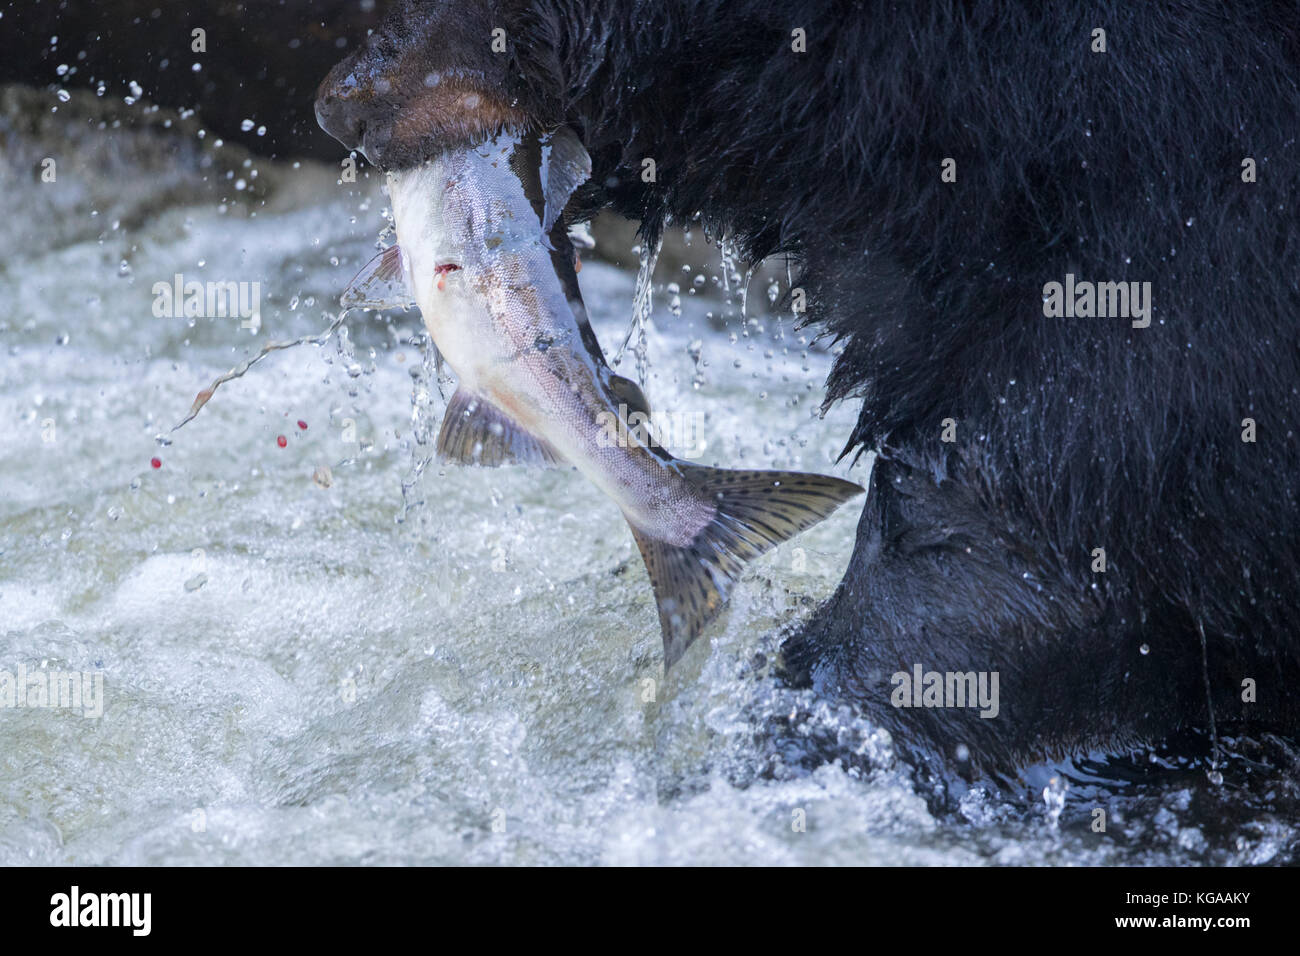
column 353, row 105
column 339, row 110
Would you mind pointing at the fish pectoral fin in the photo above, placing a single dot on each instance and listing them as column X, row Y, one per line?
column 756, row 511
column 381, row 284
column 476, row 432
column 567, row 168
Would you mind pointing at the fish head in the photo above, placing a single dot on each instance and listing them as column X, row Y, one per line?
column 467, row 227
column 482, row 247
column 488, row 205
column 427, row 81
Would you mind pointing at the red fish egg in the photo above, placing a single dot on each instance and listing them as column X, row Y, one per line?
column 155, row 462
column 281, row 441
column 302, row 424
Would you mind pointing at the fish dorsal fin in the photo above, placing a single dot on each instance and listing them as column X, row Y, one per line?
column 476, row 432
column 565, row 167
column 755, row 511
column 381, row 284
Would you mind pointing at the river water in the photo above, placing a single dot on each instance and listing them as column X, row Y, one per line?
column 316, row 651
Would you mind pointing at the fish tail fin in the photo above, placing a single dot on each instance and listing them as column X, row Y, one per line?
column 756, row 511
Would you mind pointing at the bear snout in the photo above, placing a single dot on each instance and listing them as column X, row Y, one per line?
column 425, row 83
column 342, row 104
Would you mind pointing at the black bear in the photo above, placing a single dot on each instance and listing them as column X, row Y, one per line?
column 1059, row 242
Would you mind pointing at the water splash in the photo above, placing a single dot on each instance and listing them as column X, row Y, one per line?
column 1054, row 799
column 642, row 306
column 424, row 421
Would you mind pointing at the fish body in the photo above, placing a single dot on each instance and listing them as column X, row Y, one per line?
column 488, row 265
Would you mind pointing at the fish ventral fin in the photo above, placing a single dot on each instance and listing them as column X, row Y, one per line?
column 476, row 432
column 381, row 284
column 756, row 511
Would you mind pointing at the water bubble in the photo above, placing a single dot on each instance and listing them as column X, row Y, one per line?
column 1054, row 798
